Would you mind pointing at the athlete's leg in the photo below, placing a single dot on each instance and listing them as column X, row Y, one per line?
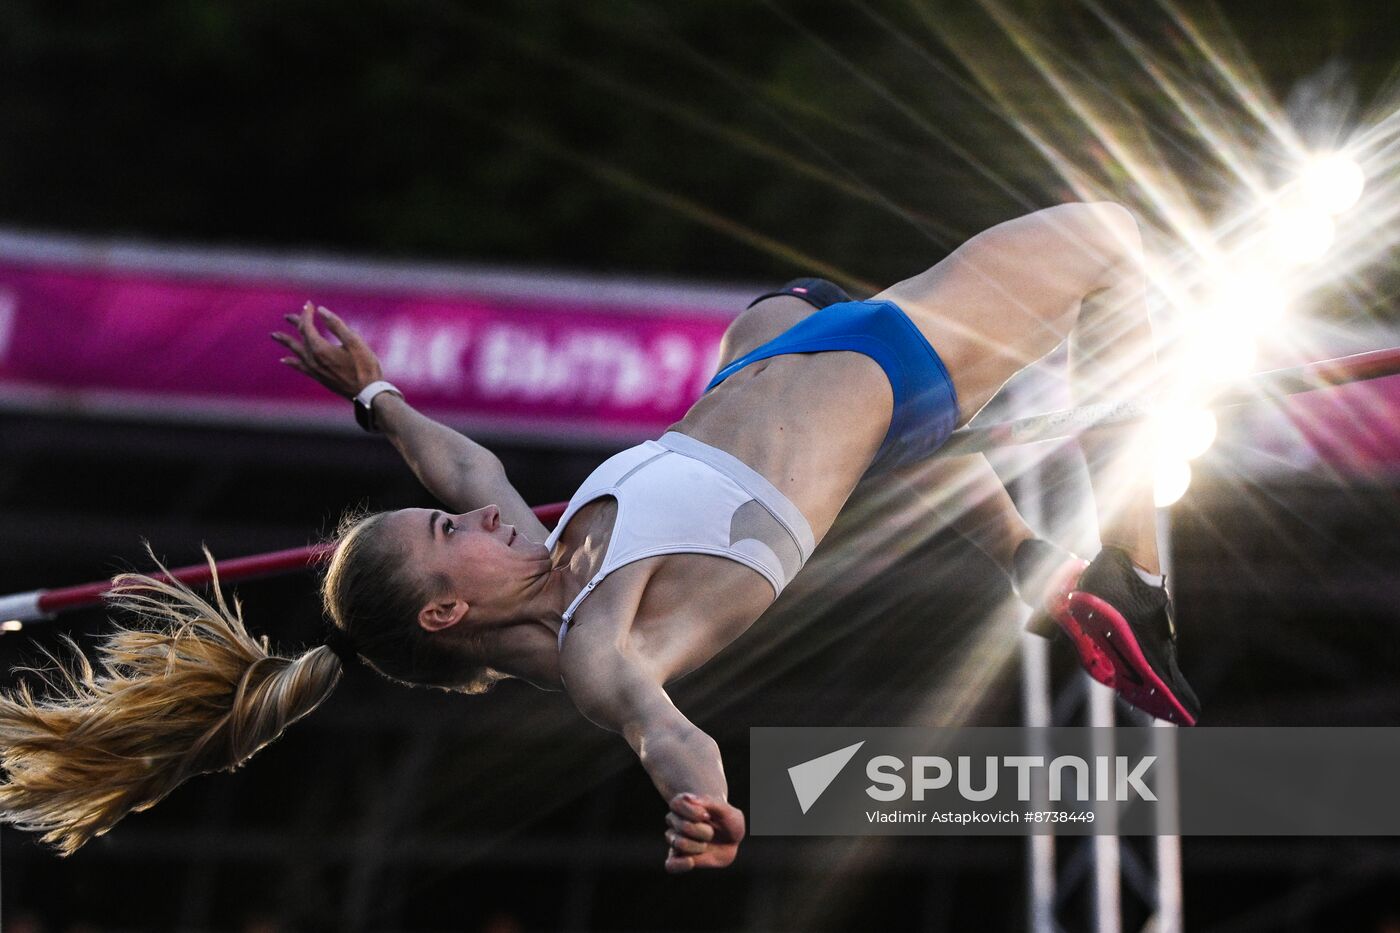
column 1003, row 300
column 1112, row 356
column 1013, row 293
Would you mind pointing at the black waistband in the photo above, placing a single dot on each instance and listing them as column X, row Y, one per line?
column 816, row 292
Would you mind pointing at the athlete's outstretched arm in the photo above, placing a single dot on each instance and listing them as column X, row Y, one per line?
column 459, row 472
column 613, row 689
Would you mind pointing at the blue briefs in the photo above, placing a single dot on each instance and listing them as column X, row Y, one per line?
column 925, row 404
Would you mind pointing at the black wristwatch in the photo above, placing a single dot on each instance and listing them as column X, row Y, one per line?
column 364, row 403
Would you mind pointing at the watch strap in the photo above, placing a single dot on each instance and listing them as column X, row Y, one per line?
column 364, row 402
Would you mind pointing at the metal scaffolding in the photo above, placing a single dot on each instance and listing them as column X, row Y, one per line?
column 1051, row 880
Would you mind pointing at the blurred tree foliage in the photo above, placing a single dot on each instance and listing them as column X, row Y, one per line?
column 726, row 138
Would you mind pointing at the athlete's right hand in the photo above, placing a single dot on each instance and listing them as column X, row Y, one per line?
column 704, row 832
column 345, row 367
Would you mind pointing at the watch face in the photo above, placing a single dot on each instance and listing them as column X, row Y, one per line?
column 363, row 415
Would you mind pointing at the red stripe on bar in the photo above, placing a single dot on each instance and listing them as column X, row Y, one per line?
column 232, row 570
column 1358, row 367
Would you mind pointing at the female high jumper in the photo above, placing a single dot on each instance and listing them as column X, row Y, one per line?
column 668, row 551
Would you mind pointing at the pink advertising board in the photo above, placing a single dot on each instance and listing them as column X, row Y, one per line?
column 189, row 344
column 1353, row 429
column 183, row 334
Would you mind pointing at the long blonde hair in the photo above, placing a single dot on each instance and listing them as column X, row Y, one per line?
column 185, row 691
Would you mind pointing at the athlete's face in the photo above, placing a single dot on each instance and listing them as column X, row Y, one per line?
column 476, row 566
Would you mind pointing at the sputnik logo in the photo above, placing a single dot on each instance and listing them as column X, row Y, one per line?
column 811, row 778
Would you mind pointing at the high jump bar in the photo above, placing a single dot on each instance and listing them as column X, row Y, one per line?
column 37, row 605
column 1260, row 387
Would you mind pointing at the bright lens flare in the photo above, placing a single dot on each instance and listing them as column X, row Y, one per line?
column 1301, row 233
column 1171, row 478
column 1181, row 433
column 1332, row 183
column 1252, row 295
column 1219, row 353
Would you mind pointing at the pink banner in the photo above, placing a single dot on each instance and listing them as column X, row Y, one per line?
column 87, row 334
column 166, row 342
column 1354, row 429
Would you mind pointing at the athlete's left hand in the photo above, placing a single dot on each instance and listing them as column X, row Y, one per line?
column 345, row 367
column 704, row 832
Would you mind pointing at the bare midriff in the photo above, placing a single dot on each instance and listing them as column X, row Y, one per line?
column 810, row 423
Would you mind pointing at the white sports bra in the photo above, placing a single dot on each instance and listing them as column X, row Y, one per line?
column 678, row 495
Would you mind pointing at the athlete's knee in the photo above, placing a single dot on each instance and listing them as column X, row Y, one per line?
column 1116, row 232
column 1109, row 214
column 1107, row 225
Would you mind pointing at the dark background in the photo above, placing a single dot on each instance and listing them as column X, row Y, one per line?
column 721, row 140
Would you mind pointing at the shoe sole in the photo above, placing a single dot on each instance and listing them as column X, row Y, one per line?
column 1109, row 651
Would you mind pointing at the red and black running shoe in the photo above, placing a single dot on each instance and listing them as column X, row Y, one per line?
column 1124, row 632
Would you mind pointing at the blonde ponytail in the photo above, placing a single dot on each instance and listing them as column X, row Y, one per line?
column 185, row 691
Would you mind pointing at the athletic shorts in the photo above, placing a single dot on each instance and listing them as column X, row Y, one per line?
column 925, row 403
